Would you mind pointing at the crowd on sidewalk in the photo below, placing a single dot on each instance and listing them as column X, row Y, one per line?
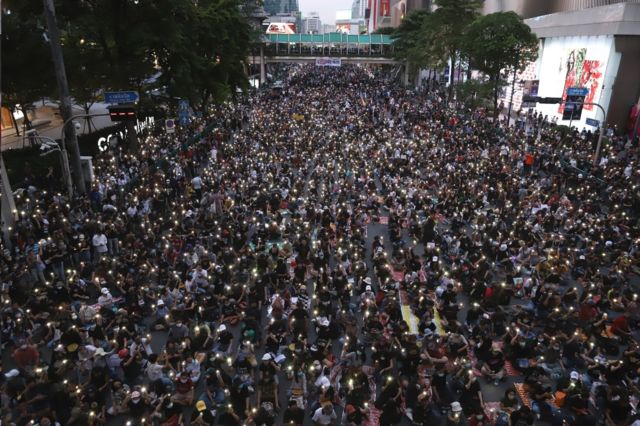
column 341, row 252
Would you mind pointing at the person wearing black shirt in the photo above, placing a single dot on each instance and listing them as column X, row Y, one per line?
column 293, row 415
column 298, row 321
column 229, row 417
column 201, row 416
column 137, row 405
column 523, row 416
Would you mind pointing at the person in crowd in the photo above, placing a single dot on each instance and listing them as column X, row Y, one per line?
column 347, row 251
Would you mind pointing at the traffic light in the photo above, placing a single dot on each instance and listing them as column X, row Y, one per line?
column 550, row 100
column 573, row 108
column 122, row 112
column 540, row 100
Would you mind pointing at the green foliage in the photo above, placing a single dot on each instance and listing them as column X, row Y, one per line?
column 499, row 44
column 208, row 62
column 446, row 26
column 385, row 30
column 199, row 46
column 562, row 129
column 408, row 39
column 432, row 38
column 474, row 93
column 27, row 69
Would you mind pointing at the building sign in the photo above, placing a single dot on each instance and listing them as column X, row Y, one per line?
column 105, row 142
column 328, row 62
column 183, row 112
column 592, row 122
column 170, row 125
column 574, row 98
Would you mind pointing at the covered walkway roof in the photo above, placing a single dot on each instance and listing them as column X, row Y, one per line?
column 330, row 38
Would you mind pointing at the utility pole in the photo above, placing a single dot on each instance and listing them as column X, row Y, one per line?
column 637, row 123
column 513, row 88
column 65, row 98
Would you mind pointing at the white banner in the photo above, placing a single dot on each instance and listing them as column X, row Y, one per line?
column 328, row 62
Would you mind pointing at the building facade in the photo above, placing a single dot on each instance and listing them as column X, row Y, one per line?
column 274, row 7
column 596, row 49
column 529, row 9
column 312, row 24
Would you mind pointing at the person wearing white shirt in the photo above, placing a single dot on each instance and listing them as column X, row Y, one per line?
column 324, row 415
column 99, row 242
column 154, row 370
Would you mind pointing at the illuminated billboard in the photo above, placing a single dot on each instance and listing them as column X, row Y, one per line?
column 281, row 28
column 577, row 62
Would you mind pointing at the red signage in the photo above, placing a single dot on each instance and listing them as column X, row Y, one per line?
column 385, row 7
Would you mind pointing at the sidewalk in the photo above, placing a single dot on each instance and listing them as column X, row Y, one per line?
column 53, row 129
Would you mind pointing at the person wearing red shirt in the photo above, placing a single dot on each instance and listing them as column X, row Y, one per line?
column 184, row 390
column 620, row 326
column 26, row 356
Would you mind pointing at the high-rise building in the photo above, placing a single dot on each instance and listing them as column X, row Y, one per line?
column 328, row 28
column 358, row 8
column 273, row 7
column 312, row 24
column 530, row 9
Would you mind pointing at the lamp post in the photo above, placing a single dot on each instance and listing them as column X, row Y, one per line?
column 602, row 130
column 63, row 88
column 63, row 148
column 54, row 146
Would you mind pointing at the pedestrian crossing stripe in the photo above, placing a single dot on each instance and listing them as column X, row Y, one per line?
column 410, row 319
column 438, row 321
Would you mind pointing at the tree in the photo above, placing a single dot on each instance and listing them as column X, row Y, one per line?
column 208, row 62
column 444, row 31
column 199, row 47
column 385, row 31
column 85, row 71
column 498, row 44
column 27, row 70
column 408, row 41
column 474, row 93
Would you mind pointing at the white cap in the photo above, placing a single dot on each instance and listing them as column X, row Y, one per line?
column 456, row 407
column 266, row 357
column 608, row 243
column 503, row 247
column 222, row 327
column 323, row 321
column 368, row 288
column 367, row 280
column 12, row 373
column 160, row 302
column 575, row 375
column 104, row 290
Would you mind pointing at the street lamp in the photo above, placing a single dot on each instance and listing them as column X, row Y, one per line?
column 50, row 145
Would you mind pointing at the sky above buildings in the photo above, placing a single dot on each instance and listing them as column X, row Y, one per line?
column 326, row 8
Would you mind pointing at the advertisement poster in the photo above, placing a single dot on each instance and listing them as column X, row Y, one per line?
column 281, row 28
column 385, row 7
column 581, row 72
column 530, row 88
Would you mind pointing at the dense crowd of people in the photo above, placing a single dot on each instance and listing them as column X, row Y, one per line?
column 340, row 252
